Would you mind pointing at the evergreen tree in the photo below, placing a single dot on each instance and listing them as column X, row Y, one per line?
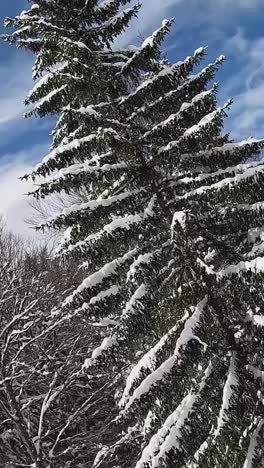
column 173, row 275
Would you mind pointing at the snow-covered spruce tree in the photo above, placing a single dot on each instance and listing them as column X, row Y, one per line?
column 171, row 236
column 71, row 41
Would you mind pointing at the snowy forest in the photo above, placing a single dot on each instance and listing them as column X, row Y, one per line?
column 133, row 337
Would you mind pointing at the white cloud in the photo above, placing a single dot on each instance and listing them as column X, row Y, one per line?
column 233, row 4
column 247, row 86
column 13, row 200
column 204, row 11
column 149, row 17
column 15, row 76
column 15, row 83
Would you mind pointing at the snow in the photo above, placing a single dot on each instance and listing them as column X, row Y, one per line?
column 147, row 362
column 203, row 94
column 199, row 51
column 100, row 455
column 121, row 223
column 150, row 41
column 257, row 320
column 105, row 322
column 135, row 299
column 190, row 325
column 73, row 145
column 144, row 259
column 114, row 19
column 167, row 71
column 197, row 98
column 248, row 173
column 169, row 436
column 255, row 233
column 44, row 80
column 117, row 224
column 253, row 446
column 89, row 110
column 257, row 250
column 173, row 440
column 110, row 341
column 105, row 346
column 78, row 44
column 226, row 148
column 148, row 455
column 175, row 117
column 151, row 380
column 48, row 98
column 210, row 256
column 113, row 291
column 149, row 211
column 170, row 94
column 248, row 169
column 170, row 69
column 185, row 106
column 99, row 276
column 103, row 4
column 178, row 217
column 228, row 393
column 78, row 168
column 148, row 422
column 165, row 368
column 256, row 265
column 100, row 202
column 197, row 455
column 251, row 207
column 205, row 121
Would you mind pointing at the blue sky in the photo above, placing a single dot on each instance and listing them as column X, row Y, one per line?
column 230, row 27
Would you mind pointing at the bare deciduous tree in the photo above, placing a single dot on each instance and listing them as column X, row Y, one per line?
column 51, row 411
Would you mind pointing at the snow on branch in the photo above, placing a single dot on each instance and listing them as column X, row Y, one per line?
column 254, row 446
column 105, row 346
column 44, row 81
column 168, row 71
column 257, row 320
column 190, row 327
column 133, row 303
column 147, row 362
column 99, row 203
column 71, row 147
column 46, row 100
column 131, row 307
column 153, row 379
column 205, row 122
column 169, row 436
column 181, row 90
column 256, row 266
column 118, row 224
column 250, row 171
column 228, row 393
column 97, row 278
column 150, row 42
column 173, row 119
column 144, row 259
